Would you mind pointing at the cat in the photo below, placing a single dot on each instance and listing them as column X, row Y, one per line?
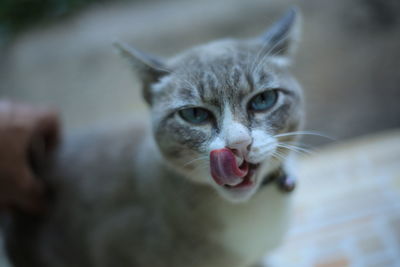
column 193, row 187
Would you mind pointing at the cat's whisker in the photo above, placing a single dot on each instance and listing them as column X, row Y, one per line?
column 196, row 159
column 283, row 153
column 296, row 149
column 296, row 143
column 294, row 146
column 301, row 145
column 266, row 145
column 277, row 52
column 278, row 156
column 260, row 55
column 313, row 133
column 268, row 52
column 305, row 150
column 200, row 168
column 257, row 58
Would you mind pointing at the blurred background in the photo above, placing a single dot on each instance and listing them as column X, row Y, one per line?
column 59, row 53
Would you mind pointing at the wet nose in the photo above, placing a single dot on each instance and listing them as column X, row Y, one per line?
column 239, row 141
column 241, row 144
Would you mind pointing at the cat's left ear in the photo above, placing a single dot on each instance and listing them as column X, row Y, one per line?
column 148, row 68
column 282, row 37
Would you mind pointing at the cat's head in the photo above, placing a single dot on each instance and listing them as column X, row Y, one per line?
column 218, row 109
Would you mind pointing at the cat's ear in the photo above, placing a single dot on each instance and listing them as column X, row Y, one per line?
column 282, row 37
column 148, row 68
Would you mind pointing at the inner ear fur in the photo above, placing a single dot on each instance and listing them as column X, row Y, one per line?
column 148, row 68
column 282, row 37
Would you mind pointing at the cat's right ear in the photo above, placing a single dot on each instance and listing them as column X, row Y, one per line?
column 282, row 37
column 148, row 68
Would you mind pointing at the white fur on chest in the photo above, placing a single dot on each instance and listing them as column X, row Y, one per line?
column 253, row 228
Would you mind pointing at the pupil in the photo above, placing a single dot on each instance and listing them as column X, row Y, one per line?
column 264, row 101
column 194, row 115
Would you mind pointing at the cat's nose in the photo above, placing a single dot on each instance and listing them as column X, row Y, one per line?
column 240, row 148
column 239, row 142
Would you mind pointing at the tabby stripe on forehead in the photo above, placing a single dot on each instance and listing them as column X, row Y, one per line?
column 209, row 90
column 263, row 77
column 212, row 81
column 186, row 94
column 236, row 77
column 250, row 81
column 200, row 88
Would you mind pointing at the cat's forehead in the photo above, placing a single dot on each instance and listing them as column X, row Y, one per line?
column 219, row 56
column 219, row 71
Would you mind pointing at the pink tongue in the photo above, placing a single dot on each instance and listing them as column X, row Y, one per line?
column 224, row 168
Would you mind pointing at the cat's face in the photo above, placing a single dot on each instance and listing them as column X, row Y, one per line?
column 219, row 110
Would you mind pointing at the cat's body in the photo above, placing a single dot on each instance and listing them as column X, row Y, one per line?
column 98, row 220
column 142, row 196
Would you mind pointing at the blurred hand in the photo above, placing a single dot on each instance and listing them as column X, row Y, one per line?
column 20, row 127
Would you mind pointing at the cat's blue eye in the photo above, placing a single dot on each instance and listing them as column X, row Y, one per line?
column 195, row 115
column 264, row 101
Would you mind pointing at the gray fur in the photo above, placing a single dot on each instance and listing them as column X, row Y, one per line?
column 141, row 195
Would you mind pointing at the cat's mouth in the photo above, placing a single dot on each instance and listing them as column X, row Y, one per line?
column 247, row 181
column 227, row 173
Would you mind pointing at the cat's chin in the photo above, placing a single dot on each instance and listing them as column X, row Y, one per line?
column 242, row 191
column 239, row 194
